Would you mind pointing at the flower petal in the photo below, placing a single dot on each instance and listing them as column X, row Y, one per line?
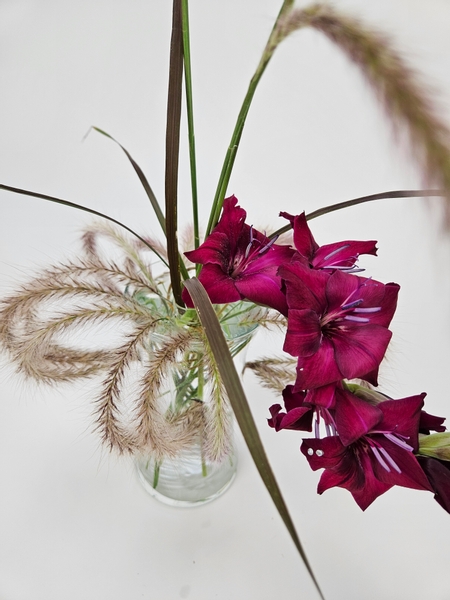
column 305, row 288
column 220, row 287
column 402, row 417
column 342, row 254
column 304, row 241
column 438, row 474
column 360, row 349
column 319, row 369
column 354, row 417
column 262, row 288
column 411, row 475
column 304, row 335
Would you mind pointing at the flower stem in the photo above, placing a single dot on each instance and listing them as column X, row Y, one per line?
column 156, row 474
column 190, row 117
column 272, row 43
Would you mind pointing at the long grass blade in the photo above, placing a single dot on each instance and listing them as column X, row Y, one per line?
column 142, row 178
column 190, row 119
column 15, row 190
column 241, row 408
column 347, row 203
column 173, row 147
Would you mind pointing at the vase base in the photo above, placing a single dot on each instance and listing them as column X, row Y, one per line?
column 148, row 487
column 186, row 480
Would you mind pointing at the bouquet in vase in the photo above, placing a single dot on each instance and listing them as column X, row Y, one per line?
column 183, row 310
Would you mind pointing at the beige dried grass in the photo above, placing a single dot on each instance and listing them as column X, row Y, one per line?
column 407, row 101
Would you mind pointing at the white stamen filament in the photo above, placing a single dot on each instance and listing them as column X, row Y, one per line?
column 390, row 459
column 396, row 440
column 357, row 319
column 379, row 458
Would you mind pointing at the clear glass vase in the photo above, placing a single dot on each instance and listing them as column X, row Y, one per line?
column 191, row 477
column 187, row 479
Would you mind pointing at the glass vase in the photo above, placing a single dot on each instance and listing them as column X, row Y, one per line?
column 192, row 476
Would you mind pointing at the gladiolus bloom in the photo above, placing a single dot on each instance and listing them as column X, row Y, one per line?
column 379, row 459
column 240, row 263
column 337, row 324
column 340, row 255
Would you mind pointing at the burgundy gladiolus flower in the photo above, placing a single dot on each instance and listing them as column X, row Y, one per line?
column 240, row 263
column 298, row 414
column 379, row 459
column 340, row 255
column 337, row 324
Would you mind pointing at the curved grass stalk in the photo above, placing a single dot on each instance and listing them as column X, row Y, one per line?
column 15, row 190
column 142, row 179
column 361, row 200
column 406, row 101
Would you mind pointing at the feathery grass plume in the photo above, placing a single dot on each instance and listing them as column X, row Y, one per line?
column 107, row 414
column 406, row 101
column 154, row 433
column 218, row 429
column 36, row 321
column 274, row 373
column 50, row 328
column 132, row 249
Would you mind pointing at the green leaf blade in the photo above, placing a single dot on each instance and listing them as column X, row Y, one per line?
column 241, row 408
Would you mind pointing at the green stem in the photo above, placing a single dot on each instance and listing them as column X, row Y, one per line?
column 230, row 156
column 156, row 474
column 383, row 196
column 190, row 117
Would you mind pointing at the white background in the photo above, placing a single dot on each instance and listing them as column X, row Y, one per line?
column 74, row 522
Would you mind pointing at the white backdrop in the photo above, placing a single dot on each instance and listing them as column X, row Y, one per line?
column 74, row 522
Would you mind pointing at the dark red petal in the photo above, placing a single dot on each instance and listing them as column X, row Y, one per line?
column 341, row 288
column 305, row 288
column 438, row 474
column 372, row 488
column 354, row 417
column 303, row 238
column 430, row 423
column 322, row 396
column 326, row 453
column 388, row 303
column 215, row 249
column 411, row 476
column 304, row 335
column 275, row 419
column 292, row 399
column 360, row 349
column 343, row 254
column 220, row 287
column 269, row 261
column 232, row 221
column 297, row 418
column 402, row 417
column 262, row 288
column 319, row 369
